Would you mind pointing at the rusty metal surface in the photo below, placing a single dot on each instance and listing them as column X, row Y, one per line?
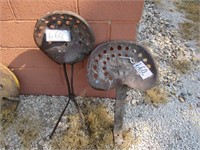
column 9, row 90
column 119, row 114
column 82, row 37
column 109, row 66
column 115, row 65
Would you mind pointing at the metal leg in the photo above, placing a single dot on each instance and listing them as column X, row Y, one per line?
column 119, row 114
column 67, row 79
column 69, row 93
column 54, row 129
column 73, row 95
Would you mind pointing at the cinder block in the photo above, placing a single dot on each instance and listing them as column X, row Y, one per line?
column 26, row 58
column 32, row 76
column 101, row 31
column 123, row 31
column 29, row 58
column 80, row 76
column 48, row 76
column 109, row 19
column 111, row 9
column 5, row 13
column 35, row 9
column 50, row 89
column 17, row 34
column 52, row 82
column 20, row 34
column 97, row 93
column 62, row 90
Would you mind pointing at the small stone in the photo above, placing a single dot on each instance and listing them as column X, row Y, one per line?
column 189, row 94
column 181, row 99
column 183, row 94
column 190, row 107
column 167, row 41
column 140, row 115
column 198, row 104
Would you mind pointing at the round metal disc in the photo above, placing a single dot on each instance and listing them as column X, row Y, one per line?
column 9, row 87
column 81, row 37
column 116, row 63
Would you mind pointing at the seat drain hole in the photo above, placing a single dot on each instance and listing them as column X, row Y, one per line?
column 52, row 26
column 39, row 34
column 67, row 22
column 149, row 66
column 53, row 18
column 75, row 26
column 140, row 55
column 144, row 59
column 41, row 27
column 119, row 47
column 80, row 42
column 95, row 76
column 62, row 17
column 70, row 18
column 59, row 22
column 95, row 67
column 106, row 73
column 77, row 21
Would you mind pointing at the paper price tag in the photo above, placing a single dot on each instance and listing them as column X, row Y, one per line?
column 142, row 70
column 58, row 35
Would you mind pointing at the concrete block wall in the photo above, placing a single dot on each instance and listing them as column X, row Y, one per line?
column 109, row 19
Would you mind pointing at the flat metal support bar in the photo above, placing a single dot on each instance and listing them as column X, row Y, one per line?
column 119, row 114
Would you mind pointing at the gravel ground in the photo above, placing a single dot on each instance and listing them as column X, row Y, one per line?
column 172, row 125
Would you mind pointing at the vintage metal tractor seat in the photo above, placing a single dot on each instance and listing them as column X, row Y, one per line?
column 66, row 38
column 118, row 64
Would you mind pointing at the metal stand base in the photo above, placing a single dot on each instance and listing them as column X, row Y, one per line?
column 71, row 97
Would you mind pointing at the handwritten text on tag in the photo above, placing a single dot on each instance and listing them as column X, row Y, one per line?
column 142, row 70
column 58, row 35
